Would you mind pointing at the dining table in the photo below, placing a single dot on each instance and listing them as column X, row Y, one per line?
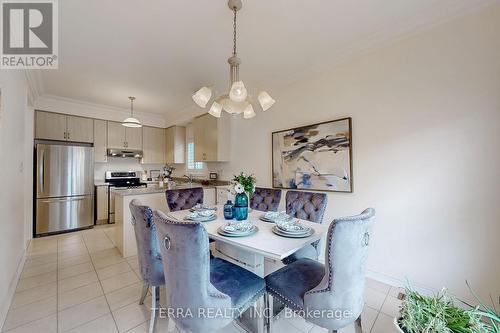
column 263, row 247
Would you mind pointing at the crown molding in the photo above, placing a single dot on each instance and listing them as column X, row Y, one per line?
column 35, row 85
column 53, row 103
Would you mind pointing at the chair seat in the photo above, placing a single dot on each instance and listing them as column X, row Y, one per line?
column 243, row 286
column 307, row 252
column 290, row 283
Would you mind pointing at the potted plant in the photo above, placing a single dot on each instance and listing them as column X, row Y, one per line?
column 243, row 186
column 437, row 314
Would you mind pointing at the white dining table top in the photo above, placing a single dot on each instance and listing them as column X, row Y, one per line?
column 264, row 242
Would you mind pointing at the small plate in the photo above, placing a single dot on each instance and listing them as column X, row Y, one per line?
column 222, row 232
column 283, row 234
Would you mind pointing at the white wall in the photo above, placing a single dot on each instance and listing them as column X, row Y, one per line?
column 13, row 166
column 426, row 135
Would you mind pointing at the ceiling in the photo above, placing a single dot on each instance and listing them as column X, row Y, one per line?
column 162, row 51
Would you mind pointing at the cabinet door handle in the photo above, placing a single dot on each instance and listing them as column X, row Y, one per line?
column 68, row 136
column 65, row 135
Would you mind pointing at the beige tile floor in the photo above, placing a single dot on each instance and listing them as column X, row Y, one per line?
column 79, row 282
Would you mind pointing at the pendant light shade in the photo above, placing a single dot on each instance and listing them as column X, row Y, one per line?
column 215, row 109
column 249, row 112
column 202, row 96
column 238, row 92
column 131, row 121
column 265, row 100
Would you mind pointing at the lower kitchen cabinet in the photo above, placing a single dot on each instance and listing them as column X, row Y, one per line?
column 209, row 196
column 102, row 208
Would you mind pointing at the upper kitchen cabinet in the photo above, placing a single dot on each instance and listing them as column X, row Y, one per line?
column 80, row 129
column 175, row 151
column 54, row 126
column 121, row 137
column 100, row 141
column 153, row 142
column 211, row 138
column 50, row 126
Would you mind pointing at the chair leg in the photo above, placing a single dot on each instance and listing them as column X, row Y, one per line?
column 145, row 288
column 357, row 325
column 155, row 303
column 260, row 308
column 270, row 315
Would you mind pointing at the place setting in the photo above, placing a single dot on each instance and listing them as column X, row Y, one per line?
column 292, row 229
column 238, row 229
column 274, row 217
column 201, row 214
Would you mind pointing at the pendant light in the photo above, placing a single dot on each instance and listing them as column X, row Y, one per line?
column 131, row 121
column 237, row 100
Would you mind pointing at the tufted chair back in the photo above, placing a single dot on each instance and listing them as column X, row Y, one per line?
column 150, row 262
column 306, row 205
column 184, row 198
column 265, row 199
column 187, row 264
column 343, row 284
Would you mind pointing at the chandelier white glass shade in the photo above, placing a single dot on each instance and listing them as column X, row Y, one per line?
column 131, row 121
column 237, row 100
column 202, row 96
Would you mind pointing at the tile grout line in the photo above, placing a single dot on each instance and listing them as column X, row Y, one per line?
column 100, row 284
column 379, row 311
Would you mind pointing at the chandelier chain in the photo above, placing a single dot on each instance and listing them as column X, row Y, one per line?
column 234, row 32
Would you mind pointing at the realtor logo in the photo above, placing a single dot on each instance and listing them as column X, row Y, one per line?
column 29, row 34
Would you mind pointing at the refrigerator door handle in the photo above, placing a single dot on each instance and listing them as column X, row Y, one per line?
column 79, row 198
column 41, row 173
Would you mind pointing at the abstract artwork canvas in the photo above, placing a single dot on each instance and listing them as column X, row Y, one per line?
column 314, row 157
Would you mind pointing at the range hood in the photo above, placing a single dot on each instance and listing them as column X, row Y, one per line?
column 125, row 153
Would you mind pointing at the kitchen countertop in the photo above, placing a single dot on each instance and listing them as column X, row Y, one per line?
column 153, row 189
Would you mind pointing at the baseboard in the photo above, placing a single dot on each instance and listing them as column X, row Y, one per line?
column 11, row 290
column 397, row 282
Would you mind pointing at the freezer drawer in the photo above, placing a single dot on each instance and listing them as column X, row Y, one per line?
column 61, row 214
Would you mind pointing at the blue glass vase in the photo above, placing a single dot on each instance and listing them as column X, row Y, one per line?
column 241, row 207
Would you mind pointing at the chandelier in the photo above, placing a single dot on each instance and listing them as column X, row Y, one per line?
column 238, row 100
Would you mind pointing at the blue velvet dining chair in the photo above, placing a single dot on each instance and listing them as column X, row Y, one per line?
column 334, row 289
column 149, row 256
column 265, row 199
column 308, row 206
column 197, row 284
column 185, row 198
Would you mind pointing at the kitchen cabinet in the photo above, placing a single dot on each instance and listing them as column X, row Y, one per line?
column 211, row 138
column 175, row 150
column 50, row 126
column 79, row 129
column 209, row 196
column 100, row 141
column 55, row 126
column 153, row 141
column 222, row 195
column 122, row 137
column 102, row 209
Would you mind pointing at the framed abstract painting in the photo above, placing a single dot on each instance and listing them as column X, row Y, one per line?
column 314, row 157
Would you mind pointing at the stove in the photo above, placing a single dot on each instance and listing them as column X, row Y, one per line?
column 127, row 179
column 121, row 180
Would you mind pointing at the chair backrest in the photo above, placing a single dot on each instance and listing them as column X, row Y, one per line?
column 306, row 205
column 343, row 285
column 184, row 198
column 186, row 263
column 265, row 199
column 148, row 250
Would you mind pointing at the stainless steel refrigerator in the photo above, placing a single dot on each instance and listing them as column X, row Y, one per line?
column 64, row 187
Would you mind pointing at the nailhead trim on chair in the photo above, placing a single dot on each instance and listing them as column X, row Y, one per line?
column 285, row 300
